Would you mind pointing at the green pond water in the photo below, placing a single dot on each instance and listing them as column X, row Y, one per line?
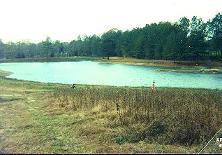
column 95, row 73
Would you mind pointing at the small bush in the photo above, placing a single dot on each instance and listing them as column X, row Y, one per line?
column 120, row 140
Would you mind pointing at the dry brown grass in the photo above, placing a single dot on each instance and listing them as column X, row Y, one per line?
column 169, row 116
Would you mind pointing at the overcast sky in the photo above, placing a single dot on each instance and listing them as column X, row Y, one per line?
column 64, row 20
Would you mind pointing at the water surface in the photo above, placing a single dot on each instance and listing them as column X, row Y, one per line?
column 95, row 73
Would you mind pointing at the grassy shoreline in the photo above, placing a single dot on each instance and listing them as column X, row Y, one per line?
column 119, row 60
column 53, row 118
column 4, row 73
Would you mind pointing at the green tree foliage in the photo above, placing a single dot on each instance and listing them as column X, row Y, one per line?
column 1, row 50
column 196, row 39
column 184, row 40
column 215, row 31
column 109, row 43
column 47, row 48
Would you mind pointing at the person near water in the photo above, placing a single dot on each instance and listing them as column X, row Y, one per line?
column 73, row 86
column 153, row 87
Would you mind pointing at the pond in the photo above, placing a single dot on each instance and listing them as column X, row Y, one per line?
column 95, row 73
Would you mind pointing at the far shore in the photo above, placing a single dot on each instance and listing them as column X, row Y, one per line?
column 172, row 66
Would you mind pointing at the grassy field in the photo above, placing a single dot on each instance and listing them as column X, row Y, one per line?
column 53, row 118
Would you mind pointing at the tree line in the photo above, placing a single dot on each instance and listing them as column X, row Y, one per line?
column 187, row 39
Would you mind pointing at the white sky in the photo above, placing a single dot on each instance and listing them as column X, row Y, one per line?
column 64, row 20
